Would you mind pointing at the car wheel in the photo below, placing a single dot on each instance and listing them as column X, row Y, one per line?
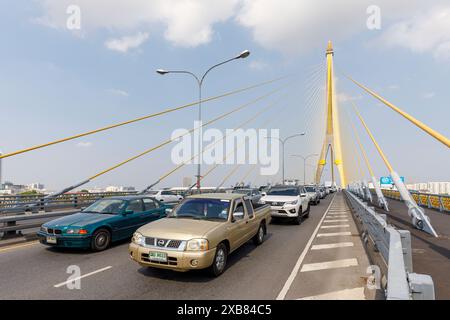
column 307, row 212
column 259, row 236
column 101, row 240
column 298, row 219
column 220, row 260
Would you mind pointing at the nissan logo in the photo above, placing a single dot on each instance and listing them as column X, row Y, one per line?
column 161, row 242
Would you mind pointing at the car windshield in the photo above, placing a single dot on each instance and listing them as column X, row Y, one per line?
column 242, row 191
column 310, row 189
column 205, row 209
column 106, row 206
column 283, row 192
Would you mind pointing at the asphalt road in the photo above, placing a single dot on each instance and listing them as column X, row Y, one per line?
column 34, row 271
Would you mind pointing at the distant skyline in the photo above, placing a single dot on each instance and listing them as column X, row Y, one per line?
column 56, row 81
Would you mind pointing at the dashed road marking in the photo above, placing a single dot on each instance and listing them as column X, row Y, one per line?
column 336, row 226
column 336, row 220
column 18, row 246
column 334, row 234
column 295, row 270
column 332, row 245
column 344, row 263
column 347, row 294
column 81, row 277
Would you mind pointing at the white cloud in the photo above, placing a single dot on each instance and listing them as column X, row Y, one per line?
column 302, row 25
column 83, row 144
column 344, row 97
column 258, row 65
column 428, row 95
column 126, row 43
column 428, row 32
column 118, row 92
column 186, row 22
column 288, row 26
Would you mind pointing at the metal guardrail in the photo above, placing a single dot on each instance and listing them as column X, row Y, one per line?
column 427, row 200
column 391, row 250
column 35, row 203
column 9, row 226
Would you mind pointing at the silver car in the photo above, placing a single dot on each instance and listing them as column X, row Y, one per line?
column 252, row 193
column 313, row 192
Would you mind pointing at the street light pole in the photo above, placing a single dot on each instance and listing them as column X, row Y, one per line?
column 242, row 55
column 283, row 142
column 304, row 163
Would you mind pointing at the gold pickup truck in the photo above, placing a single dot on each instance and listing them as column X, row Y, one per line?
column 200, row 233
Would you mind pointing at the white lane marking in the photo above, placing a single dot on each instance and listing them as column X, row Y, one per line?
column 291, row 278
column 332, row 245
column 12, row 247
column 336, row 220
column 81, row 277
column 347, row 294
column 334, row 234
column 336, row 226
column 344, row 263
column 341, row 216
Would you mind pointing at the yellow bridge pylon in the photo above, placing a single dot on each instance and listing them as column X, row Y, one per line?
column 332, row 140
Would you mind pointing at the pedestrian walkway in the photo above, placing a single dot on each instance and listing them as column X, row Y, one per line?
column 334, row 265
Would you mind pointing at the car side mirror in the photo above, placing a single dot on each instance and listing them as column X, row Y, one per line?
column 263, row 194
column 302, row 195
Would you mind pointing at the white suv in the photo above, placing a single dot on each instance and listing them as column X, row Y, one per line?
column 165, row 195
column 290, row 202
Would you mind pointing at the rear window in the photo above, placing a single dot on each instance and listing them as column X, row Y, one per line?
column 310, row 189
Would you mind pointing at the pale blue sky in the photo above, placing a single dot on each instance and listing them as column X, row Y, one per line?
column 55, row 82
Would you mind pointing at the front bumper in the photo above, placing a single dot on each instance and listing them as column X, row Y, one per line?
column 64, row 241
column 284, row 212
column 176, row 260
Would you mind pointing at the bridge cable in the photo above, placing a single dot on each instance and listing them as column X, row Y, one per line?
column 6, row 155
column 419, row 219
column 164, row 176
column 438, row 136
column 47, row 198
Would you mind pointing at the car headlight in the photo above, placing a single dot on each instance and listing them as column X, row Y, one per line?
column 138, row 239
column 262, row 202
column 197, row 245
column 292, row 202
column 76, row 231
column 44, row 229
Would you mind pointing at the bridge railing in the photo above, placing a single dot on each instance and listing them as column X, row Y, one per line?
column 34, row 203
column 391, row 250
column 428, row 200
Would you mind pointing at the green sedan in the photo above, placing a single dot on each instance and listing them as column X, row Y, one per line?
column 105, row 221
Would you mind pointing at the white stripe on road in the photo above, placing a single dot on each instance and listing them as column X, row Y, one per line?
column 344, row 263
column 12, row 247
column 347, row 294
column 335, row 216
column 332, row 245
column 81, row 277
column 299, row 262
column 336, row 220
column 334, row 234
column 336, row 226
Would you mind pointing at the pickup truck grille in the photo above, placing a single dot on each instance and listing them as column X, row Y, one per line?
column 163, row 243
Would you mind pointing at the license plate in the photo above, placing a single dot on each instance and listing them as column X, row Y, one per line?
column 158, row 256
column 51, row 240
